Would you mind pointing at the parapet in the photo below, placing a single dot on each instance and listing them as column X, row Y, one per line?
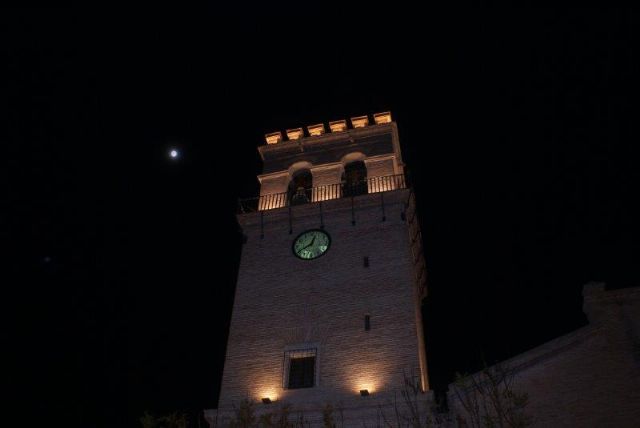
column 335, row 126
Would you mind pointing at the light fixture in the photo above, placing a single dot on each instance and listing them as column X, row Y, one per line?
column 364, row 392
column 266, row 400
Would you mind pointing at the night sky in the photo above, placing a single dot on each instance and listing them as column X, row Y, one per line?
column 516, row 128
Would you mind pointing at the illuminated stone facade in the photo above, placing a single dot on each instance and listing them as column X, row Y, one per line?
column 355, row 312
column 588, row 378
column 357, row 307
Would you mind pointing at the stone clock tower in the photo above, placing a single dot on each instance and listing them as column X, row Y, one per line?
column 331, row 280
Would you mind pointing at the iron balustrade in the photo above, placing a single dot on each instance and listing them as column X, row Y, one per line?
column 322, row 193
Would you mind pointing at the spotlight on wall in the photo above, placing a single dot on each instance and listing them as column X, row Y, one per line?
column 266, row 400
column 364, row 392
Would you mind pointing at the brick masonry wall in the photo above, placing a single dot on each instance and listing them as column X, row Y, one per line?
column 591, row 377
column 283, row 301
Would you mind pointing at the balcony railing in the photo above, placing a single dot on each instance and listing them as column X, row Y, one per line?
column 322, row 193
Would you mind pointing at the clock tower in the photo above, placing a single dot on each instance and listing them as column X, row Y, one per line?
column 327, row 306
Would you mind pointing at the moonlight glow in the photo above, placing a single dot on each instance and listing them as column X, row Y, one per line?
column 173, row 153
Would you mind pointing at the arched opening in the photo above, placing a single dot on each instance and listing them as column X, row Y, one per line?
column 354, row 179
column 299, row 191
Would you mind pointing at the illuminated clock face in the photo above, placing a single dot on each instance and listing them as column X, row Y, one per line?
column 311, row 244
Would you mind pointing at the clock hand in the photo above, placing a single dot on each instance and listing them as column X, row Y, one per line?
column 310, row 243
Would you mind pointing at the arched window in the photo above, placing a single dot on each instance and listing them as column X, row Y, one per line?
column 300, row 187
column 354, row 180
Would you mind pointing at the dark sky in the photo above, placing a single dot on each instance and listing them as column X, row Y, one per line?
column 516, row 127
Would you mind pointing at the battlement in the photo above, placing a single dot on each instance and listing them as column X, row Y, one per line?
column 318, row 130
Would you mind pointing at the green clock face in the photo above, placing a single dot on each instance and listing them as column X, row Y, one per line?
column 311, row 244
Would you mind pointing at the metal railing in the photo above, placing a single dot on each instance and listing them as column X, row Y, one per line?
column 322, row 193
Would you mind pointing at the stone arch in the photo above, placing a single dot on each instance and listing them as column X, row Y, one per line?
column 294, row 168
column 354, row 176
column 351, row 157
column 300, row 183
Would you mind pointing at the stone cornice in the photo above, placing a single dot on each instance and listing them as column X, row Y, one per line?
column 273, row 175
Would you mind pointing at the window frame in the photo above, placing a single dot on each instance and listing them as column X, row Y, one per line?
column 302, row 350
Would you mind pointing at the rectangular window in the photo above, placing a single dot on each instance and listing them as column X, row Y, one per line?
column 300, row 368
column 366, row 261
column 367, row 322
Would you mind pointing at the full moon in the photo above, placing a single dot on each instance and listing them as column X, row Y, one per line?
column 173, row 153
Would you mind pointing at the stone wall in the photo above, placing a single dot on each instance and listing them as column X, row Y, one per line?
column 588, row 378
column 282, row 301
